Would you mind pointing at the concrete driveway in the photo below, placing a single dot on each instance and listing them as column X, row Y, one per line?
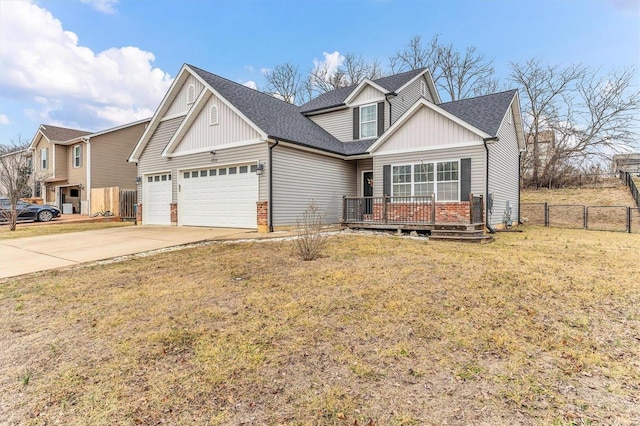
column 25, row 255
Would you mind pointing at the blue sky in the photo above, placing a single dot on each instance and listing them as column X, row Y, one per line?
column 96, row 64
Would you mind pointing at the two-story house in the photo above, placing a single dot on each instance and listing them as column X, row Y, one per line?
column 383, row 152
column 68, row 163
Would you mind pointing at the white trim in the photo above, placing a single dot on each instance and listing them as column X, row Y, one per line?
column 413, row 163
column 73, row 156
column 368, row 102
column 411, row 111
column 360, row 87
column 374, row 121
column 312, row 150
column 88, row 179
column 181, row 131
column 209, row 166
column 325, row 110
column 428, row 148
column 215, row 148
column 171, row 117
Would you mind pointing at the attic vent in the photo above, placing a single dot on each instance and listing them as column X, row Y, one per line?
column 213, row 115
column 423, row 89
column 191, row 94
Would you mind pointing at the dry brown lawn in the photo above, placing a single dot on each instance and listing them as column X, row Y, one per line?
column 35, row 230
column 613, row 193
column 539, row 327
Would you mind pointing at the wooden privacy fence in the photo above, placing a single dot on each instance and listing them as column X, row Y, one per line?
column 113, row 201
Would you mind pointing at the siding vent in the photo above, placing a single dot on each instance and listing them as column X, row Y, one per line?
column 423, row 89
column 213, row 115
column 191, row 94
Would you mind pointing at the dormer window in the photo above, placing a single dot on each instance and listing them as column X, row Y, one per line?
column 213, row 115
column 368, row 121
column 191, row 94
column 423, row 89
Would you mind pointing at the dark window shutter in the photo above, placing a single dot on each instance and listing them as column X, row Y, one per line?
column 465, row 179
column 386, row 179
column 380, row 118
column 356, row 123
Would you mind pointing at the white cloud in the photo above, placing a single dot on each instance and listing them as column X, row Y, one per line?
column 252, row 84
column 4, row 119
column 249, row 68
column 104, row 6
column 331, row 62
column 265, row 71
column 69, row 83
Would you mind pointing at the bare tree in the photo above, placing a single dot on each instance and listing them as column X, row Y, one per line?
column 15, row 178
column 285, row 82
column 415, row 56
column 590, row 116
column 459, row 75
column 353, row 69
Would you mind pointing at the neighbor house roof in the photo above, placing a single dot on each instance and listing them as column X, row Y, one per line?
column 278, row 119
column 337, row 97
column 484, row 112
column 61, row 134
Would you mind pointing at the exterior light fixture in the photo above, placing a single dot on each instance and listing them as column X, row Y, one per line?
column 138, row 180
column 259, row 169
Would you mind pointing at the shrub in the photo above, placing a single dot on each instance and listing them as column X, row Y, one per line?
column 310, row 240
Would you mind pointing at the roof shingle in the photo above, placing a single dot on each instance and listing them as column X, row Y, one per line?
column 61, row 134
column 484, row 112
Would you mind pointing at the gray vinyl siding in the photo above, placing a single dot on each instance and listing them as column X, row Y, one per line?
column 363, row 165
column 337, row 123
column 180, row 104
column 300, row 176
column 109, row 154
column 406, row 98
column 476, row 153
column 151, row 160
column 503, row 171
column 427, row 128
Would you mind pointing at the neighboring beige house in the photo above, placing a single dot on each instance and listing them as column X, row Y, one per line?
column 70, row 162
column 627, row 163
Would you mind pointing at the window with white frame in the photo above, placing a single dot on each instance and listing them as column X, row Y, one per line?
column 213, row 115
column 368, row 121
column 77, row 156
column 44, row 158
column 441, row 178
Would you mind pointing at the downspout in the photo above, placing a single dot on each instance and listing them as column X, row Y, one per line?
column 519, row 185
column 270, row 205
column 386, row 97
column 486, row 182
column 88, row 189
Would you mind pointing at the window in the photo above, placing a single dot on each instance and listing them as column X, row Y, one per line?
column 44, row 158
column 191, row 94
column 164, row 178
column 368, row 121
column 203, row 173
column 212, row 172
column 150, row 179
column 233, row 170
column 213, row 115
column 186, row 175
column 423, row 89
column 77, row 156
column 243, row 169
column 156, row 178
column 424, row 179
column 222, row 172
column 253, row 168
column 74, row 193
column 194, row 174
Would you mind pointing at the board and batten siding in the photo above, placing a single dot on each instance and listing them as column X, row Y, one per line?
column 300, row 176
column 406, row 98
column 337, row 123
column 427, row 128
column 475, row 153
column 109, row 154
column 180, row 104
column 151, row 160
column 504, row 163
column 230, row 128
column 369, row 94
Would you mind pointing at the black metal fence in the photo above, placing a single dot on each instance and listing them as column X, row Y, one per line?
column 627, row 178
column 600, row 218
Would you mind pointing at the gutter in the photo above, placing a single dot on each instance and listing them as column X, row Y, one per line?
column 270, row 205
column 486, row 181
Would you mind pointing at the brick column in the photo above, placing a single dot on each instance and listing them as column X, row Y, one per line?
column 262, row 208
column 174, row 213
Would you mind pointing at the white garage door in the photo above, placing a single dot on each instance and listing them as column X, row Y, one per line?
column 156, row 199
column 220, row 196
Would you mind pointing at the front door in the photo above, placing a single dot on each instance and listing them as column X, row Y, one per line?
column 367, row 192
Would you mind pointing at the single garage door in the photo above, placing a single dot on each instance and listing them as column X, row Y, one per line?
column 219, row 196
column 156, row 199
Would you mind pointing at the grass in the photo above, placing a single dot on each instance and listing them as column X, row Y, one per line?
column 539, row 327
column 23, row 231
column 615, row 193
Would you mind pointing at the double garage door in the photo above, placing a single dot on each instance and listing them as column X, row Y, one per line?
column 215, row 196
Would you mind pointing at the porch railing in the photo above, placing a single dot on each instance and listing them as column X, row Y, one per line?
column 406, row 210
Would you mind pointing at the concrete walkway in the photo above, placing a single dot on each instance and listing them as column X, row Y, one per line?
column 26, row 255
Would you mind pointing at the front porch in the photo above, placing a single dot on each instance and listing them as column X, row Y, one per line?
column 461, row 220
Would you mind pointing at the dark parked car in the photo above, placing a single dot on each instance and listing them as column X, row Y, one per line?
column 28, row 211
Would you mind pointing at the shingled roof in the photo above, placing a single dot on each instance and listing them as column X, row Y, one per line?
column 61, row 134
column 484, row 112
column 336, row 97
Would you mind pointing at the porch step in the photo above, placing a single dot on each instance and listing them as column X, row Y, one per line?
column 483, row 239
column 473, row 234
column 458, row 227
